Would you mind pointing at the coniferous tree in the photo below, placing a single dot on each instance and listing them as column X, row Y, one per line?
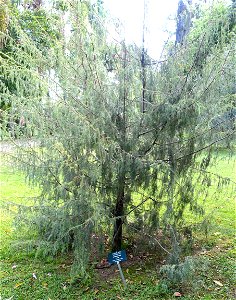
column 100, row 162
column 22, row 29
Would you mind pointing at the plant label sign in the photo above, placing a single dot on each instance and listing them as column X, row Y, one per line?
column 115, row 257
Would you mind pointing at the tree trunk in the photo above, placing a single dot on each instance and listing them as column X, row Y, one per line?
column 119, row 209
column 118, row 214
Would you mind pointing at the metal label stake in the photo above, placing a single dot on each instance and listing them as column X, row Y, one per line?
column 121, row 274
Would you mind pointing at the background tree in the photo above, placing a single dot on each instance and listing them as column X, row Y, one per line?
column 184, row 17
column 3, row 21
column 38, row 27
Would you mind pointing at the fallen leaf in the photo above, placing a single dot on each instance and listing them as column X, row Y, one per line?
column 129, row 281
column 96, row 291
column 218, row 282
column 18, row 284
column 177, row 294
column 63, row 266
column 127, row 271
column 45, row 285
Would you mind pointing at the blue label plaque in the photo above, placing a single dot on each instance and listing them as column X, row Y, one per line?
column 116, row 257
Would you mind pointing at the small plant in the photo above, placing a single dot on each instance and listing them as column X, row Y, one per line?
column 180, row 273
column 186, row 275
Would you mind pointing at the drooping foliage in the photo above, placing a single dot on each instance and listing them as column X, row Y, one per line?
column 104, row 166
column 29, row 36
column 221, row 22
column 3, row 21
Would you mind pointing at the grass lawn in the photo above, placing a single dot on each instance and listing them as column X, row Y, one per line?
column 22, row 276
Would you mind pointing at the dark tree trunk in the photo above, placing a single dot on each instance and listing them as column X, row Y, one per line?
column 118, row 214
column 119, row 208
column 143, row 80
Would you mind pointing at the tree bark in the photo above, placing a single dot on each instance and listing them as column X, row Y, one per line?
column 119, row 208
column 118, row 214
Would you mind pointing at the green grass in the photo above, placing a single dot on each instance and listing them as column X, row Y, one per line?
column 144, row 282
column 221, row 199
column 13, row 190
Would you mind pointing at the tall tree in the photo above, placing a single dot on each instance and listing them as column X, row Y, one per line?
column 100, row 162
column 184, row 20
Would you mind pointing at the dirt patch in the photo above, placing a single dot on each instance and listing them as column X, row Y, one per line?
column 137, row 263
